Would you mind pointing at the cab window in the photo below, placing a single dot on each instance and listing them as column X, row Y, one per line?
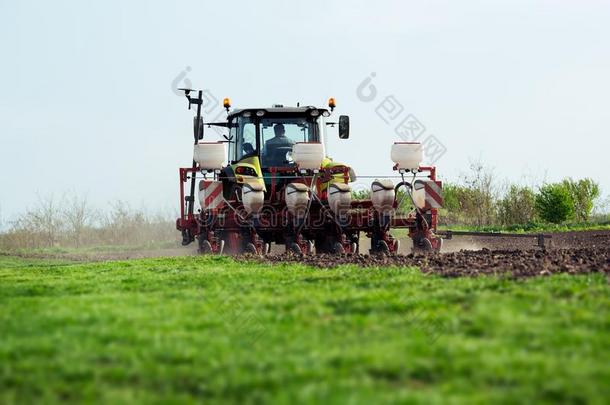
column 279, row 134
column 243, row 139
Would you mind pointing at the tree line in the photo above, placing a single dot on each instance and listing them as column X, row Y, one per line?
column 478, row 201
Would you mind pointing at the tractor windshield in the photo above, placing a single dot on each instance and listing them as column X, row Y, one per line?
column 278, row 135
column 272, row 138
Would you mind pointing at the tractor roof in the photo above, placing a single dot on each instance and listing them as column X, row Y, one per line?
column 277, row 110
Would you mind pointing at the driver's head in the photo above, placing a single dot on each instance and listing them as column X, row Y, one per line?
column 279, row 129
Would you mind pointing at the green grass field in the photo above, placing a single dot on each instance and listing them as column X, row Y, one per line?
column 213, row 330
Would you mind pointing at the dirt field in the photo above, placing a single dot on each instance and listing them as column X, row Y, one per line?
column 515, row 263
column 570, row 252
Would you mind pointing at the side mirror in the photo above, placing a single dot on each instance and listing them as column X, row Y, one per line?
column 343, row 126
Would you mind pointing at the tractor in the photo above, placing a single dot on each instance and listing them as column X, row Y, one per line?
column 270, row 182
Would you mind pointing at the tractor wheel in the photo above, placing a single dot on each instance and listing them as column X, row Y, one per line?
column 383, row 248
column 250, row 249
column 329, row 244
column 424, row 246
column 205, row 247
column 295, row 248
column 338, row 248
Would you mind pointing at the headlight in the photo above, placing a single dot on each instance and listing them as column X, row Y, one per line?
column 260, row 113
column 245, row 171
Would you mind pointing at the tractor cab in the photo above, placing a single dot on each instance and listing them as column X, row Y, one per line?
column 261, row 140
column 270, row 134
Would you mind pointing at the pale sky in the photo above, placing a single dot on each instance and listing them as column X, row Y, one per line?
column 87, row 104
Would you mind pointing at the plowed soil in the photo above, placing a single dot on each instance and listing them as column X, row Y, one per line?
column 572, row 252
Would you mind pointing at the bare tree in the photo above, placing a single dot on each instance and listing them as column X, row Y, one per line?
column 78, row 215
column 46, row 219
column 481, row 181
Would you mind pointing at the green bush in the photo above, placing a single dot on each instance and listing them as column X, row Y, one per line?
column 451, row 197
column 554, row 203
column 457, row 204
column 583, row 192
column 465, row 204
column 518, row 207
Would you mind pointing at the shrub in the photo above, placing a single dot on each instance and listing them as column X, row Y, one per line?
column 584, row 193
column 518, row 206
column 554, row 203
column 481, row 184
column 468, row 205
column 72, row 222
column 77, row 216
column 451, row 197
column 459, row 204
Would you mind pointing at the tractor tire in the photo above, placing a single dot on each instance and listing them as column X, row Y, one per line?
column 381, row 249
column 250, row 249
column 379, row 245
column 338, row 248
column 205, row 247
column 424, row 246
column 329, row 245
column 295, row 248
